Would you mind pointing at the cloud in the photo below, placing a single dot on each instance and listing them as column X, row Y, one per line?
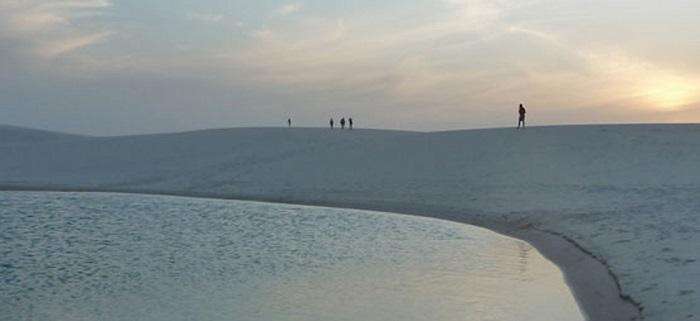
column 206, row 17
column 289, row 9
column 617, row 76
column 413, row 63
column 35, row 21
column 48, row 30
column 435, row 64
column 471, row 55
column 60, row 47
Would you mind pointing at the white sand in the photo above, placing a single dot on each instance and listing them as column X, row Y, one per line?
column 628, row 194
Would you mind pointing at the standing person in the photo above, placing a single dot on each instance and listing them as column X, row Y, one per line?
column 350, row 122
column 289, row 122
column 521, row 118
column 331, row 122
column 342, row 123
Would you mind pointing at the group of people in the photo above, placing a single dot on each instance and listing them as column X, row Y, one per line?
column 342, row 123
column 331, row 122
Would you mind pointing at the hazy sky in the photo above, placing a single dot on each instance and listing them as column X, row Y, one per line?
column 134, row 66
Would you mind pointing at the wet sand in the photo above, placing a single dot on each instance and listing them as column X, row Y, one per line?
column 595, row 287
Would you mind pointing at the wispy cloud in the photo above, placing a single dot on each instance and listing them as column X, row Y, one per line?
column 466, row 57
column 60, row 47
column 403, row 62
column 51, row 29
column 205, row 17
column 289, row 9
column 610, row 74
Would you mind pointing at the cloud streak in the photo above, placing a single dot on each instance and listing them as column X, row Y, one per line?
column 472, row 56
column 206, row 17
column 289, row 8
column 402, row 62
column 58, row 48
column 50, row 30
column 622, row 77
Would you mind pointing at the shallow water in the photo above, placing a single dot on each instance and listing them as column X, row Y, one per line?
column 71, row 256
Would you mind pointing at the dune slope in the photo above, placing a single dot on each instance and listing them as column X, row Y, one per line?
column 628, row 194
column 20, row 135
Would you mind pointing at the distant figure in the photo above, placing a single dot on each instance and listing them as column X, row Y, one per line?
column 521, row 118
column 350, row 122
column 342, row 123
column 331, row 122
column 289, row 122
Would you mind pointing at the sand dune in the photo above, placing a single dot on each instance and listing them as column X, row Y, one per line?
column 20, row 135
column 626, row 193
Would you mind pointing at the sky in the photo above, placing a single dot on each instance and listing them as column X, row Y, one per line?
column 113, row 67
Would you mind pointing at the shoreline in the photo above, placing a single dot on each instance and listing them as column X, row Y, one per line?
column 594, row 286
column 591, row 281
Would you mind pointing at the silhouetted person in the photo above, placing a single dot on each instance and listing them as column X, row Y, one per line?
column 350, row 122
column 289, row 122
column 331, row 123
column 342, row 123
column 521, row 118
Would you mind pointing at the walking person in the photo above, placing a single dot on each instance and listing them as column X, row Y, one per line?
column 342, row 123
column 289, row 122
column 521, row 117
column 331, row 122
column 350, row 122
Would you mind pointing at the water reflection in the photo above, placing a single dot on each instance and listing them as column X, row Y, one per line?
column 523, row 254
column 128, row 257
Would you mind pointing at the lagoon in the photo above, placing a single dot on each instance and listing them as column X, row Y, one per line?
column 108, row 256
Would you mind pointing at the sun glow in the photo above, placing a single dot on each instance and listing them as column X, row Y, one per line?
column 643, row 82
column 671, row 94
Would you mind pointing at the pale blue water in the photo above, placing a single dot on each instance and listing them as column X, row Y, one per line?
column 71, row 256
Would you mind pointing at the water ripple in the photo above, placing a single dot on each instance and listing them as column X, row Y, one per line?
column 70, row 256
